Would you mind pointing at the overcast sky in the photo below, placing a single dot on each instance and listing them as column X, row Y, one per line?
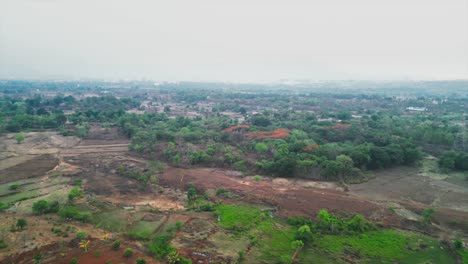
column 236, row 40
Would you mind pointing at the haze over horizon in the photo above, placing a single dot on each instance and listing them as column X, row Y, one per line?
column 237, row 41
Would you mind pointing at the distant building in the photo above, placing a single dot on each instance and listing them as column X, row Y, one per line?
column 416, row 109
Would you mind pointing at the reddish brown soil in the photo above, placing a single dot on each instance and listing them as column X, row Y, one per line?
column 278, row 133
column 290, row 201
column 35, row 167
column 98, row 253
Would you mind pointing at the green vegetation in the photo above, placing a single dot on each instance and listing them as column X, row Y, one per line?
column 81, row 235
column 239, row 218
column 45, row 207
column 3, row 244
column 21, row 223
column 75, row 213
column 142, row 229
column 75, row 192
column 19, row 138
column 427, row 215
column 141, row 261
column 13, row 187
column 128, row 252
column 116, row 245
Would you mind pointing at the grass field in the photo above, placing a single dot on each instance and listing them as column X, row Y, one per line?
column 270, row 241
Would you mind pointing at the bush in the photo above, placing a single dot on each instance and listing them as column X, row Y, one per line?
column 3, row 206
column 74, row 213
column 116, row 245
column 81, row 235
column 2, row 244
column 458, row 244
column 160, row 246
column 13, row 187
column 75, row 192
column 128, row 252
column 427, row 215
column 44, row 207
column 73, row 261
column 19, row 138
column 141, row 261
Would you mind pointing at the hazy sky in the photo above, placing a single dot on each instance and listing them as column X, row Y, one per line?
column 236, row 40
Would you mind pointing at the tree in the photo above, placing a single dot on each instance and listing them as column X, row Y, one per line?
column 21, row 223
column 261, row 148
column 261, row 121
column 19, row 138
column 345, row 165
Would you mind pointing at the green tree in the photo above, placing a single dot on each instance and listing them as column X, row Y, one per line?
column 21, row 223
column 261, row 148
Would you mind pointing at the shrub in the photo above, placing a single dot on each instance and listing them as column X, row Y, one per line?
column 160, row 247
column 128, row 252
column 74, row 213
column 19, row 138
column 240, row 254
column 116, row 245
column 13, row 187
column 2, row 244
column 458, row 244
column 141, row 261
column 73, row 261
column 81, row 235
column 78, row 182
column 3, row 206
column 427, row 215
column 257, row 178
column 75, row 193
column 44, row 207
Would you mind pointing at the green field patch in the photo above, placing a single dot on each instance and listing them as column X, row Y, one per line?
column 23, row 185
column 143, row 229
column 239, row 217
column 229, row 245
column 384, row 246
column 20, row 196
column 272, row 242
column 115, row 220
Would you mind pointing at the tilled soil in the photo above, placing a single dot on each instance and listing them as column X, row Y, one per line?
column 38, row 166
